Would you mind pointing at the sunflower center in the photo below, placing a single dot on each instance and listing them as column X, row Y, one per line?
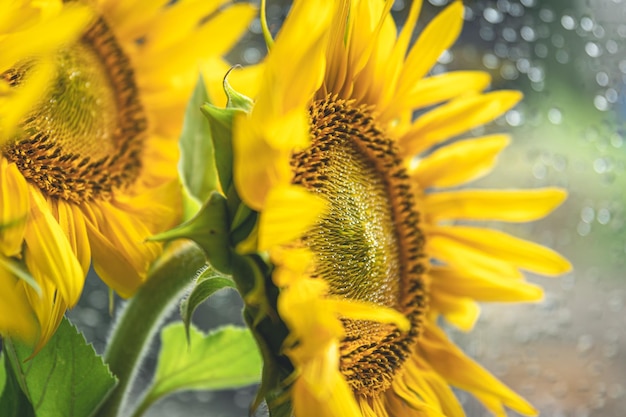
column 368, row 246
column 85, row 136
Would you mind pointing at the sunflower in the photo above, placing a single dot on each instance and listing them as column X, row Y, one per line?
column 27, row 35
column 372, row 241
column 93, row 163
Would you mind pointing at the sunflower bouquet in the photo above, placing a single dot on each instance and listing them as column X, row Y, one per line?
column 326, row 185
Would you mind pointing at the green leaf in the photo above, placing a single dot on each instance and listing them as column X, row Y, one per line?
column 236, row 100
column 209, row 229
column 225, row 358
column 205, row 286
column 3, row 372
column 221, row 124
column 197, row 164
column 66, row 378
column 13, row 402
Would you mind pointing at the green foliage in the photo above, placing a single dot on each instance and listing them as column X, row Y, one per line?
column 225, row 358
column 221, row 125
column 13, row 402
column 66, row 378
column 205, row 286
column 197, row 164
column 209, row 228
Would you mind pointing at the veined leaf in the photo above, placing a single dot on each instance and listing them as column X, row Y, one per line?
column 225, row 358
column 205, row 286
column 197, row 156
column 66, row 378
column 13, row 402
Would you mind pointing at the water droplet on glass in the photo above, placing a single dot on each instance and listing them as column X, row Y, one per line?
column 601, row 165
column 491, row 61
column 487, row 33
column 492, row 15
column 586, row 23
column 604, row 216
column 611, row 95
column 611, row 46
column 587, row 214
column 562, row 56
column 528, row 34
column 601, row 103
column 508, row 71
column 555, row 116
column 547, row 15
column 568, row 22
column 592, row 49
column 541, row 50
column 514, row 118
column 446, row 57
column 509, row 34
column 602, row 78
column 583, row 228
column 251, row 55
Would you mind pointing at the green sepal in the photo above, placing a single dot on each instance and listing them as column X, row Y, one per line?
column 243, row 224
column 209, row 228
column 65, row 378
column 252, row 284
column 197, row 166
column 223, row 359
column 220, row 122
column 236, row 100
column 253, row 277
column 208, row 283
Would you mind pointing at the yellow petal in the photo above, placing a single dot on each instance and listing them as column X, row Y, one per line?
column 177, row 21
column 120, row 254
column 483, row 287
column 158, row 65
column 72, row 223
column 19, row 101
column 49, row 309
column 438, row 36
column 16, row 317
column 461, row 312
column 435, row 397
column 44, row 37
column 289, row 212
column 14, row 208
column 361, row 310
column 439, row 88
column 459, row 370
column 455, row 117
column 320, row 390
column 132, row 18
column 48, row 253
column 459, row 162
column 485, row 244
column 509, row 205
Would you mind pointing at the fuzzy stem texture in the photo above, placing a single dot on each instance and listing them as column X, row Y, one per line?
column 142, row 317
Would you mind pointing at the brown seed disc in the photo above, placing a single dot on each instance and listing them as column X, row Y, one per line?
column 369, row 246
column 85, row 137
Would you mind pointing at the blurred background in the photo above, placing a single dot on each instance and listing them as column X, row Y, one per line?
column 566, row 354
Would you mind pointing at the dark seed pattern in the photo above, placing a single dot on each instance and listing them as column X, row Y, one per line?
column 372, row 353
column 75, row 175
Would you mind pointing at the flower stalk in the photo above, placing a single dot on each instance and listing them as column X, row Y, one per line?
column 142, row 316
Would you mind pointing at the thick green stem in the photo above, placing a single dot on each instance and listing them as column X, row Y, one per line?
column 142, row 316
